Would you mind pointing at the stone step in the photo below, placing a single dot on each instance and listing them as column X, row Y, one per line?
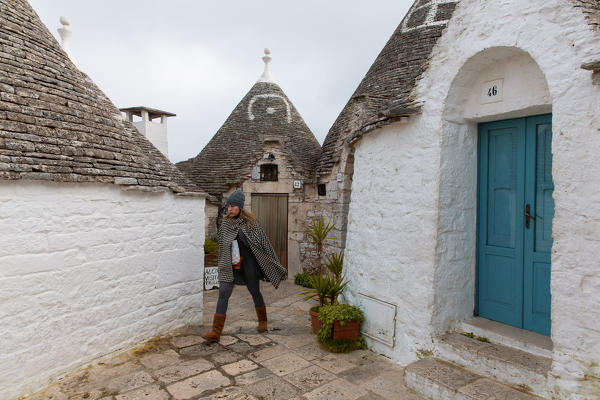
column 515, row 367
column 507, row 335
column 440, row 380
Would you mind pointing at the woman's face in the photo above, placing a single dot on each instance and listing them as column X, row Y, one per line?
column 233, row 211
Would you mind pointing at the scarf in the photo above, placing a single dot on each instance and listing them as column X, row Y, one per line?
column 260, row 246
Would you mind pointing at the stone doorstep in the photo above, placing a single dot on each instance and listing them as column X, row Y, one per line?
column 507, row 335
column 436, row 379
column 506, row 364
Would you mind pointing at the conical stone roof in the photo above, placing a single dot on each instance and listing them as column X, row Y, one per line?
column 264, row 113
column 386, row 92
column 56, row 125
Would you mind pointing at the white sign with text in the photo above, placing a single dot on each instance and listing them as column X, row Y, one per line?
column 211, row 277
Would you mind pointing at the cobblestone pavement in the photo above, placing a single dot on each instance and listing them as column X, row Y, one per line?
column 284, row 363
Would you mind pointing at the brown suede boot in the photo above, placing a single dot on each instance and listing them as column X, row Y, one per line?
column 261, row 313
column 217, row 328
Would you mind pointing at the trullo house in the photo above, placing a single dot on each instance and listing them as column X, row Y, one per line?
column 472, row 146
column 264, row 148
column 102, row 236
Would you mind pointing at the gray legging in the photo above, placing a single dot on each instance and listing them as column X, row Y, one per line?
column 226, row 288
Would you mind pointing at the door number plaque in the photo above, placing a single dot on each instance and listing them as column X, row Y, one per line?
column 492, row 91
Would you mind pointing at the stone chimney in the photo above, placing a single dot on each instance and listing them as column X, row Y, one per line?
column 155, row 132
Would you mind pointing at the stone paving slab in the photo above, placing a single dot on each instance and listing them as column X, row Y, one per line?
column 198, row 385
column 486, row 389
column 150, row 392
column 285, row 363
column 186, row 341
column 182, row 370
column 339, row 389
column 273, row 388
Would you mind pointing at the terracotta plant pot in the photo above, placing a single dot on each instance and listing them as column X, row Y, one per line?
column 349, row 331
column 314, row 317
column 210, row 260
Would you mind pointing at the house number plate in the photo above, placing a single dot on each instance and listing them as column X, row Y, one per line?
column 492, row 91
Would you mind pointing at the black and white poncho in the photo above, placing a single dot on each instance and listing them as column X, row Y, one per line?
column 259, row 243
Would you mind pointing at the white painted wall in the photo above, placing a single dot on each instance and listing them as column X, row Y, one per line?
column 390, row 247
column 407, row 251
column 88, row 269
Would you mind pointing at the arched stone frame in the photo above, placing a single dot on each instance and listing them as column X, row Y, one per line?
column 525, row 93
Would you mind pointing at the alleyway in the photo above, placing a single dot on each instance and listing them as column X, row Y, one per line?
column 285, row 363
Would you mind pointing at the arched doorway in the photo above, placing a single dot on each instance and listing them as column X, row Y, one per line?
column 495, row 161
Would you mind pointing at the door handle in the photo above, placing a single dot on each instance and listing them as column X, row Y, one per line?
column 528, row 216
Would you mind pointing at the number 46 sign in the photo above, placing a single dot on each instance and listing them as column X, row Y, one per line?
column 491, row 91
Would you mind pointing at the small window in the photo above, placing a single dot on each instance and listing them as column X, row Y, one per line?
column 268, row 172
column 321, row 189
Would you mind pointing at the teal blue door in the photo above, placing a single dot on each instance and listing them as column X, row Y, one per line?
column 514, row 232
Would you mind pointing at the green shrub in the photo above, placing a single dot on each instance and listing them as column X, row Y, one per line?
column 303, row 279
column 211, row 245
column 342, row 313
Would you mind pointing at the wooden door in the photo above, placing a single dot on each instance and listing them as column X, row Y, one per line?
column 515, row 210
column 272, row 213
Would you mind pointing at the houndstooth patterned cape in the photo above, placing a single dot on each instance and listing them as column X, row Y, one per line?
column 259, row 243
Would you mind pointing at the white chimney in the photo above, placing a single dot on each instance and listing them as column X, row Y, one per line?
column 155, row 132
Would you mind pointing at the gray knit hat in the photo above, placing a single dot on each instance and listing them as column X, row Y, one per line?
column 236, row 199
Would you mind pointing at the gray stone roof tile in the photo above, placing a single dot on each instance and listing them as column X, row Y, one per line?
column 56, row 125
column 385, row 93
column 591, row 10
column 263, row 114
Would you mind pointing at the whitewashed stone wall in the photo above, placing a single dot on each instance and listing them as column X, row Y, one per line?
column 88, row 269
column 414, row 184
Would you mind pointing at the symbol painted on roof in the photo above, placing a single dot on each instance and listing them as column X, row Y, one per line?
column 270, row 110
column 427, row 13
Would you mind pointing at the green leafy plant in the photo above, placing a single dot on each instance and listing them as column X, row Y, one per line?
column 211, row 246
column 303, row 279
column 325, row 289
column 320, row 288
column 341, row 313
column 335, row 263
column 317, row 232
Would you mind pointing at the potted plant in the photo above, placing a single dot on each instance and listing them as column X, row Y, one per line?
column 211, row 248
column 320, row 286
column 340, row 330
column 326, row 290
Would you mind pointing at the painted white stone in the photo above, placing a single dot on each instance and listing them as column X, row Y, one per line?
column 156, row 133
column 414, row 184
column 88, row 269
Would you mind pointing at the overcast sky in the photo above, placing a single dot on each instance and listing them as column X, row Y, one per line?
column 197, row 59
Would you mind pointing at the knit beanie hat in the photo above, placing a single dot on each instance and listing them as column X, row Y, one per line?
column 236, row 199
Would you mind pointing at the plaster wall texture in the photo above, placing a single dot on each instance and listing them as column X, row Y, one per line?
column 437, row 151
column 91, row 269
column 390, row 248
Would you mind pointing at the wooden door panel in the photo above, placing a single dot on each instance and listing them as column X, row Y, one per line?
column 271, row 211
column 500, row 295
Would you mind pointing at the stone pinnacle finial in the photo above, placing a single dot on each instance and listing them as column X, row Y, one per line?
column 65, row 33
column 266, row 75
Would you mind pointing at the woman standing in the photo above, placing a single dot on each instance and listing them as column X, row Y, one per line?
column 258, row 261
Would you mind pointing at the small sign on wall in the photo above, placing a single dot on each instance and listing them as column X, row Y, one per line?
column 297, row 184
column 256, row 173
column 211, row 277
column 492, row 91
